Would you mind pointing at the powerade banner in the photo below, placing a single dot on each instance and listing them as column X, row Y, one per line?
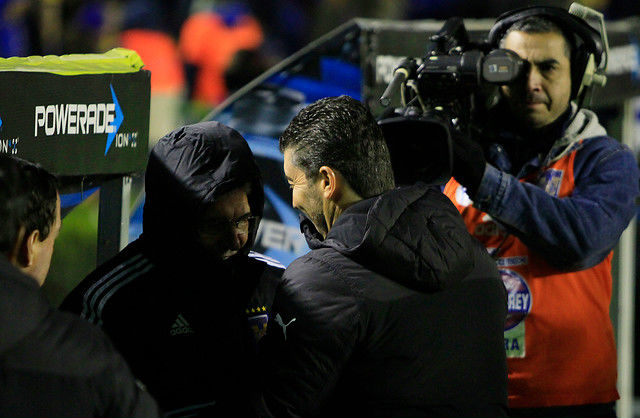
column 76, row 124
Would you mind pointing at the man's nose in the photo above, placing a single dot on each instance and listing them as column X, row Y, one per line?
column 239, row 239
column 534, row 79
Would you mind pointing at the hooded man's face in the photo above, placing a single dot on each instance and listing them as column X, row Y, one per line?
column 225, row 224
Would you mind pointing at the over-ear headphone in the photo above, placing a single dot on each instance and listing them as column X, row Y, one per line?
column 588, row 57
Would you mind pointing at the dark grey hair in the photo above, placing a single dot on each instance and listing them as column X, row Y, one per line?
column 341, row 133
column 28, row 198
column 538, row 24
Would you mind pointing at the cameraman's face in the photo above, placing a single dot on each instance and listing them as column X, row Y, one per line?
column 544, row 95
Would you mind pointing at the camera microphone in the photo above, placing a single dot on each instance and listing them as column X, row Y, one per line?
column 404, row 71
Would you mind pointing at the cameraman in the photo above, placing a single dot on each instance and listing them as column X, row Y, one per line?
column 549, row 194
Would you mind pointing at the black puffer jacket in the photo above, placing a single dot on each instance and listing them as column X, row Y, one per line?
column 56, row 365
column 398, row 312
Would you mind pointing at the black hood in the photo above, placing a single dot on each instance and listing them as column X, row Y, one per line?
column 412, row 235
column 189, row 169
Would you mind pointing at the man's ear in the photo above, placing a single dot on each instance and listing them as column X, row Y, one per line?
column 27, row 249
column 330, row 183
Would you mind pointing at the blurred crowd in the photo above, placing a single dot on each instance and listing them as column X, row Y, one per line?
column 199, row 51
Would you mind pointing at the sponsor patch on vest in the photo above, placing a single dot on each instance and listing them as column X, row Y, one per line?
column 550, row 181
column 488, row 229
column 512, row 261
column 462, row 198
column 519, row 303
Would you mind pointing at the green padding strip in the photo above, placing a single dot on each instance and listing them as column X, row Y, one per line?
column 117, row 60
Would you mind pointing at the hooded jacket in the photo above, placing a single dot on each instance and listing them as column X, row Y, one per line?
column 552, row 228
column 56, row 365
column 574, row 233
column 184, row 322
column 398, row 312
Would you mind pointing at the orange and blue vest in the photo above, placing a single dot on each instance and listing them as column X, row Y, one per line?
column 552, row 230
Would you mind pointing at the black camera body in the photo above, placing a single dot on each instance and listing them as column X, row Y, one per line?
column 458, row 81
column 453, row 64
column 449, row 92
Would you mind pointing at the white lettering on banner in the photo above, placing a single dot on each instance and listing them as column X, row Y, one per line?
column 61, row 119
column 275, row 236
column 624, row 59
column 129, row 139
column 122, row 140
column 126, row 140
column 109, row 116
column 50, row 129
column 74, row 118
column 91, row 116
column 39, row 119
column 278, row 236
column 82, row 117
column 9, row 146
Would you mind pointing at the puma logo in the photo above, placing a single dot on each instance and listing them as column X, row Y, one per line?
column 284, row 326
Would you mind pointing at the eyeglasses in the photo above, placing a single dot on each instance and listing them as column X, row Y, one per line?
column 241, row 223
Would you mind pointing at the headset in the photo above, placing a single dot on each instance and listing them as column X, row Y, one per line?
column 590, row 48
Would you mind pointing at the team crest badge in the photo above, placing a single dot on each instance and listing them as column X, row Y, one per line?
column 462, row 198
column 258, row 319
column 550, row 181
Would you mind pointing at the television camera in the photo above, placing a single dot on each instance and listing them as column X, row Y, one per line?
column 453, row 86
column 457, row 82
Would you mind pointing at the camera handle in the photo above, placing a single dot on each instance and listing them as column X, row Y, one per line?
column 404, row 71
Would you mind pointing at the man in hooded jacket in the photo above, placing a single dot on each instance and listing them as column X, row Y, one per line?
column 186, row 302
column 397, row 310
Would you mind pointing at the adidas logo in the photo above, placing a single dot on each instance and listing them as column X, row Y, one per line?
column 181, row 326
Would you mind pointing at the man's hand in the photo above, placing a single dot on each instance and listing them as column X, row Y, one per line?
column 468, row 161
